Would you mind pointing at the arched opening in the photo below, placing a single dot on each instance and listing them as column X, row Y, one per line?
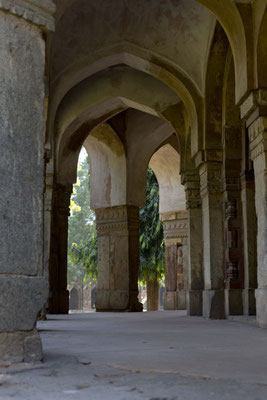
column 166, row 165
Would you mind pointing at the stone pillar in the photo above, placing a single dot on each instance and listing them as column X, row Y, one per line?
column 24, row 288
column 254, row 113
column 58, row 268
column 195, row 245
column 213, row 239
column 250, row 241
column 118, row 259
column 175, row 234
column 233, row 222
column 258, row 147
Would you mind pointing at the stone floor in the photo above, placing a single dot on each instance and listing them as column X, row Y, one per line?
column 155, row 356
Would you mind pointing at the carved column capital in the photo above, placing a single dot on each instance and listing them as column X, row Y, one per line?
column 254, row 106
column 191, row 183
column 117, row 218
column 210, row 174
column 258, row 137
column 37, row 12
column 175, row 226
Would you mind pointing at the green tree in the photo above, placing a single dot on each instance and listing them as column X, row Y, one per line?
column 85, row 255
column 152, row 249
column 81, row 232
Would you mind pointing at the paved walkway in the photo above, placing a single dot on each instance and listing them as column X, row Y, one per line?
column 154, row 356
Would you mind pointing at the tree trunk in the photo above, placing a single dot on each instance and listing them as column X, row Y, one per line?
column 152, row 287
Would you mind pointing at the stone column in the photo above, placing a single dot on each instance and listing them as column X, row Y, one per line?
column 118, row 259
column 213, row 239
column 195, row 245
column 59, row 295
column 175, row 234
column 233, row 222
column 258, row 147
column 254, row 113
column 24, row 288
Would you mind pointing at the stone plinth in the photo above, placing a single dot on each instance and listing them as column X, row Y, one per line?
column 175, row 234
column 118, row 259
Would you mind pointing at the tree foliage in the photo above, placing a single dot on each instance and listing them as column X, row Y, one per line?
column 82, row 244
column 85, row 255
column 152, row 249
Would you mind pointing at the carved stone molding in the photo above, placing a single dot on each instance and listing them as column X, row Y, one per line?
column 175, row 225
column 258, row 137
column 210, row 178
column 193, row 199
column 38, row 12
column 117, row 218
column 192, row 189
column 208, row 155
column 254, row 103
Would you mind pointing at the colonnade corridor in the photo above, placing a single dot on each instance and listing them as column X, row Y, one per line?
column 153, row 355
column 173, row 88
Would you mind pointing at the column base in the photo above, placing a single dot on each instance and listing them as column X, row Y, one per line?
column 181, row 299
column 234, row 302
column 214, row 304
column 59, row 302
column 249, row 301
column 117, row 300
column 170, row 301
column 261, row 306
column 21, row 346
column 194, row 303
column 134, row 304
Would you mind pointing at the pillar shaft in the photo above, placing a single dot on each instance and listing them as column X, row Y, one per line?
column 59, row 295
column 195, row 245
column 24, row 288
column 175, row 233
column 213, row 239
column 233, row 222
column 254, row 112
column 118, row 259
column 258, row 148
